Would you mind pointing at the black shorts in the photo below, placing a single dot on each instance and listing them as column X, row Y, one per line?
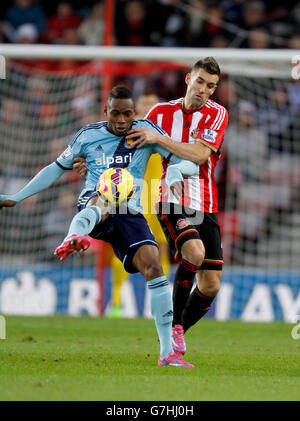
column 126, row 232
column 179, row 226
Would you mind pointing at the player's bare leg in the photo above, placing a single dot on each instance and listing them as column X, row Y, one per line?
column 146, row 260
column 208, row 281
column 193, row 251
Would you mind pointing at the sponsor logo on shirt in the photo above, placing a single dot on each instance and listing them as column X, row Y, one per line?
column 128, row 143
column 117, row 159
column 209, row 135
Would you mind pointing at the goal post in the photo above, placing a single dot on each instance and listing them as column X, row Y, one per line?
column 258, row 176
column 145, row 53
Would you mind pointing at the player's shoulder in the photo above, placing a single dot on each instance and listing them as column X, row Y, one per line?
column 147, row 123
column 142, row 122
column 170, row 104
column 218, row 115
column 215, row 107
column 161, row 107
column 81, row 137
column 95, row 126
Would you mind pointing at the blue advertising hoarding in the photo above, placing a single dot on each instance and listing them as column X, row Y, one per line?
column 249, row 295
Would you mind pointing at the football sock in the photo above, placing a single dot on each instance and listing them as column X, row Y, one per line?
column 118, row 276
column 84, row 222
column 197, row 305
column 183, row 283
column 162, row 310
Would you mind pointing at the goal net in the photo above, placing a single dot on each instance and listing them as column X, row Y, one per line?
column 261, row 201
column 258, row 178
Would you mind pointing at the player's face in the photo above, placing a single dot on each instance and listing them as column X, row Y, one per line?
column 120, row 114
column 200, row 86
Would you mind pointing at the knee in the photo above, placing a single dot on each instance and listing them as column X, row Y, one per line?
column 146, row 261
column 193, row 253
column 210, row 285
column 152, row 268
column 212, row 290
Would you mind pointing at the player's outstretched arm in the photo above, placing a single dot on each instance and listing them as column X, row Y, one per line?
column 44, row 179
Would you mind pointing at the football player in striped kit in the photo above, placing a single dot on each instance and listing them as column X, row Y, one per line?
column 195, row 125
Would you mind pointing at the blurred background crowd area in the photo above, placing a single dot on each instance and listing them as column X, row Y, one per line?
column 163, row 23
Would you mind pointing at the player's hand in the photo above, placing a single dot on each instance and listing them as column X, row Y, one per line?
column 177, row 189
column 80, row 166
column 7, row 203
column 142, row 137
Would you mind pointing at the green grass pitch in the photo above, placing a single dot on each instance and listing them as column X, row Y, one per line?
column 65, row 358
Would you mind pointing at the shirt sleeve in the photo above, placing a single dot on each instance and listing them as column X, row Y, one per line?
column 74, row 149
column 187, row 168
column 212, row 132
column 155, row 148
column 151, row 125
column 41, row 181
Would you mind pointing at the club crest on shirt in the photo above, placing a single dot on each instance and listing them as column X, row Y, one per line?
column 182, row 223
column 195, row 133
column 128, row 143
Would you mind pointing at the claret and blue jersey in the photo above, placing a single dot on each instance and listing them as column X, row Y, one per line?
column 102, row 149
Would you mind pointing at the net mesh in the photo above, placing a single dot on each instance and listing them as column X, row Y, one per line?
column 40, row 112
column 261, row 201
column 262, row 198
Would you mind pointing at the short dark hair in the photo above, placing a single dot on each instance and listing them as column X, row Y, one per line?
column 120, row 92
column 209, row 64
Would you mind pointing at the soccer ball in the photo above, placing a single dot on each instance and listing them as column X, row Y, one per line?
column 115, row 186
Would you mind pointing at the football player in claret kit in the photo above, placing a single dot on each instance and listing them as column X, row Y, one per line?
column 104, row 145
column 197, row 125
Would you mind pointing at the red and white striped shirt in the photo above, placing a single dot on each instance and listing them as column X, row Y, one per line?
column 206, row 125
